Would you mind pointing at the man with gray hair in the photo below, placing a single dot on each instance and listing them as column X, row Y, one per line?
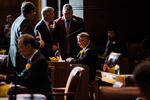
column 87, row 56
column 66, row 29
column 44, row 30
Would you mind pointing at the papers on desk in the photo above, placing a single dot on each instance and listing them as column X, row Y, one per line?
column 108, row 77
column 113, row 78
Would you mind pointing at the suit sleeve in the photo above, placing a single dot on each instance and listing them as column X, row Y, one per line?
column 87, row 58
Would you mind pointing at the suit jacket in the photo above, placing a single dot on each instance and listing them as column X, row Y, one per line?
column 88, row 57
column 115, row 45
column 76, row 27
column 36, row 78
column 20, row 26
column 47, row 37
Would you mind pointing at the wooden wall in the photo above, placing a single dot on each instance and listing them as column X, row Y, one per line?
column 98, row 16
column 13, row 8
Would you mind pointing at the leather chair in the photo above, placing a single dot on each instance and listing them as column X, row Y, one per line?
column 76, row 87
column 123, row 93
column 26, row 97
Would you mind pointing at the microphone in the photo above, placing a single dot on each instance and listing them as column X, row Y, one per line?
column 75, row 32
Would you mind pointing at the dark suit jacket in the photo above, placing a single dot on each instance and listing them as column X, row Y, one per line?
column 47, row 37
column 90, row 58
column 77, row 26
column 20, row 26
column 115, row 45
column 36, row 79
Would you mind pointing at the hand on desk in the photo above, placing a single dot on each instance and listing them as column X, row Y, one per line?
column 69, row 59
column 105, row 67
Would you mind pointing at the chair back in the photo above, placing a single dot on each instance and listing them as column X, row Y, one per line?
column 123, row 93
column 77, row 83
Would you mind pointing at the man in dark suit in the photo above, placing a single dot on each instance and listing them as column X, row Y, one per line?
column 35, row 75
column 44, row 30
column 21, row 25
column 114, row 43
column 66, row 29
column 87, row 56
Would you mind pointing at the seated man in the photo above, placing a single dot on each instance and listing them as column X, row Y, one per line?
column 87, row 56
column 35, row 76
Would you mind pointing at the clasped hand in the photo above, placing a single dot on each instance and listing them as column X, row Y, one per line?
column 69, row 59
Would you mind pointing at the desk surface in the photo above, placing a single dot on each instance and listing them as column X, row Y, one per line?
column 112, row 78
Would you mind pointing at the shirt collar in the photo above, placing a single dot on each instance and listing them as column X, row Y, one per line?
column 30, row 59
column 84, row 49
column 46, row 22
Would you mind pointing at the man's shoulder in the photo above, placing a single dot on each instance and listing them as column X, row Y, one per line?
column 39, row 57
column 40, row 23
column 20, row 19
column 59, row 20
column 76, row 18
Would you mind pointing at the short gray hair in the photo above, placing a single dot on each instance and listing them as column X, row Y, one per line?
column 46, row 9
column 67, row 7
column 84, row 35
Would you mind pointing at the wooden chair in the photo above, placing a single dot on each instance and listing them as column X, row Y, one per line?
column 76, row 87
column 123, row 93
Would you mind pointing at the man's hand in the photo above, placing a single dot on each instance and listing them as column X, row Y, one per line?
column 42, row 43
column 105, row 67
column 69, row 59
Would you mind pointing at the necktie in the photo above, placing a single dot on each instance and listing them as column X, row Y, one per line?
column 67, row 35
column 50, row 26
column 67, row 27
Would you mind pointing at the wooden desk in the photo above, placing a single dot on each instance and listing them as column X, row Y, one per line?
column 59, row 73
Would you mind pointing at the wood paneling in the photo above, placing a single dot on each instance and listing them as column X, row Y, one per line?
column 13, row 8
column 99, row 15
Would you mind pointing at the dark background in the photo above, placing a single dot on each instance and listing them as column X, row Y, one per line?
column 128, row 17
